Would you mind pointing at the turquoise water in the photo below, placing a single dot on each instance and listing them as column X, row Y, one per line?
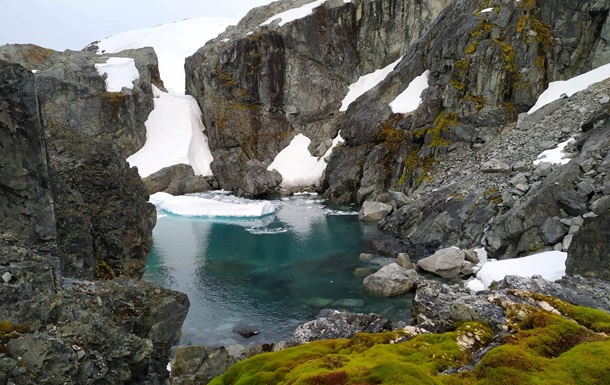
column 270, row 274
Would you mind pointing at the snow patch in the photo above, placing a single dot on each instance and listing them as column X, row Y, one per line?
column 194, row 206
column 365, row 83
column 172, row 42
column 567, row 88
column 555, row 155
column 174, row 135
column 410, row 99
column 486, row 10
column 296, row 164
column 294, row 14
column 550, row 265
column 120, row 72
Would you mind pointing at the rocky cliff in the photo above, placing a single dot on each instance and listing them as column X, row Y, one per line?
column 259, row 85
column 72, row 207
column 88, row 134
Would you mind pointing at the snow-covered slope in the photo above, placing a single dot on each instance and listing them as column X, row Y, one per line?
column 172, row 42
column 174, row 133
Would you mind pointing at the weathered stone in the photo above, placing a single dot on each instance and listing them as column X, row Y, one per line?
column 388, row 245
column 496, row 165
column 601, row 205
column 552, row 230
column 178, row 179
column 391, row 280
column 573, row 203
column 374, row 211
column 193, row 365
column 404, row 260
column 445, row 262
column 331, row 324
column 258, row 181
column 472, row 256
column 589, row 250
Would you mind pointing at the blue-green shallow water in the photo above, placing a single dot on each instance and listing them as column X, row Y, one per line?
column 272, row 273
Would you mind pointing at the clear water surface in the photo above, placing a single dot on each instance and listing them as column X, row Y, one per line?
column 270, row 274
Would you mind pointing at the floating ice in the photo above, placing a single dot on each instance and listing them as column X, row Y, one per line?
column 195, row 206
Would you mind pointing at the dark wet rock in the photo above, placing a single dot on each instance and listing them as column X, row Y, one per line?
column 178, row 179
column 388, row 245
column 552, row 231
column 574, row 203
column 247, row 332
column 446, row 263
column 194, row 365
column 337, row 324
column 391, row 280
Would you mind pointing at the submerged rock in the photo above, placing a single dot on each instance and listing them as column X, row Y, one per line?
column 391, row 280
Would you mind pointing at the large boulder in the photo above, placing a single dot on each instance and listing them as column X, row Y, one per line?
column 178, row 179
column 332, row 324
column 391, row 280
column 446, row 263
column 589, row 251
column 374, row 211
column 198, row 365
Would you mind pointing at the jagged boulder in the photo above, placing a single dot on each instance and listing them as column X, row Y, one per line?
column 258, row 86
column 198, row 365
column 589, row 251
column 445, row 262
column 391, row 280
column 337, row 324
column 374, row 211
column 178, row 179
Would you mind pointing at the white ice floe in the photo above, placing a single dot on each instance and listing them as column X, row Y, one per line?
column 120, row 72
column 195, row 206
column 174, row 135
column 567, row 88
column 555, row 155
column 550, row 265
column 296, row 164
column 173, row 42
column 410, row 99
column 366, row 83
column 294, row 14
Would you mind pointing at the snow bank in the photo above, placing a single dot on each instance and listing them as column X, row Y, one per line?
column 296, row 164
column 555, row 155
column 550, row 265
column 120, row 72
column 571, row 86
column 410, row 99
column 193, row 206
column 172, row 42
column 294, row 14
column 174, row 134
column 486, row 10
column 365, row 83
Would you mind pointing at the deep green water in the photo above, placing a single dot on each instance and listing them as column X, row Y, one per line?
column 271, row 274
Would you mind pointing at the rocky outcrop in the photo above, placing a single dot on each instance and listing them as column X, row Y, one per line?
column 259, row 86
column 391, row 280
column 26, row 209
column 72, row 94
column 178, row 179
column 589, row 251
column 198, row 365
column 109, row 332
column 337, row 324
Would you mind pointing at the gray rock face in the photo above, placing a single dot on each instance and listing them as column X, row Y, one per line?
column 388, row 246
column 374, row 211
column 107, row 332
column 26, row 211
column 446, row 262
column 337, row 324
column 259, row 89
column 72, row 94
column 178, row 179
column 194, row 365
column 391, row 280
column 589, row 251
column 552, row 231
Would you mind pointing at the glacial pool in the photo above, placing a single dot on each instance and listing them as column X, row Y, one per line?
column 269, row 273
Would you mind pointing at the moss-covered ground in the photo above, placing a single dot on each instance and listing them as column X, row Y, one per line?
column 563, row 344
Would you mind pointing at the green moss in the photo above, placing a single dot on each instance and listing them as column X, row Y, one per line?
column 103, row 270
